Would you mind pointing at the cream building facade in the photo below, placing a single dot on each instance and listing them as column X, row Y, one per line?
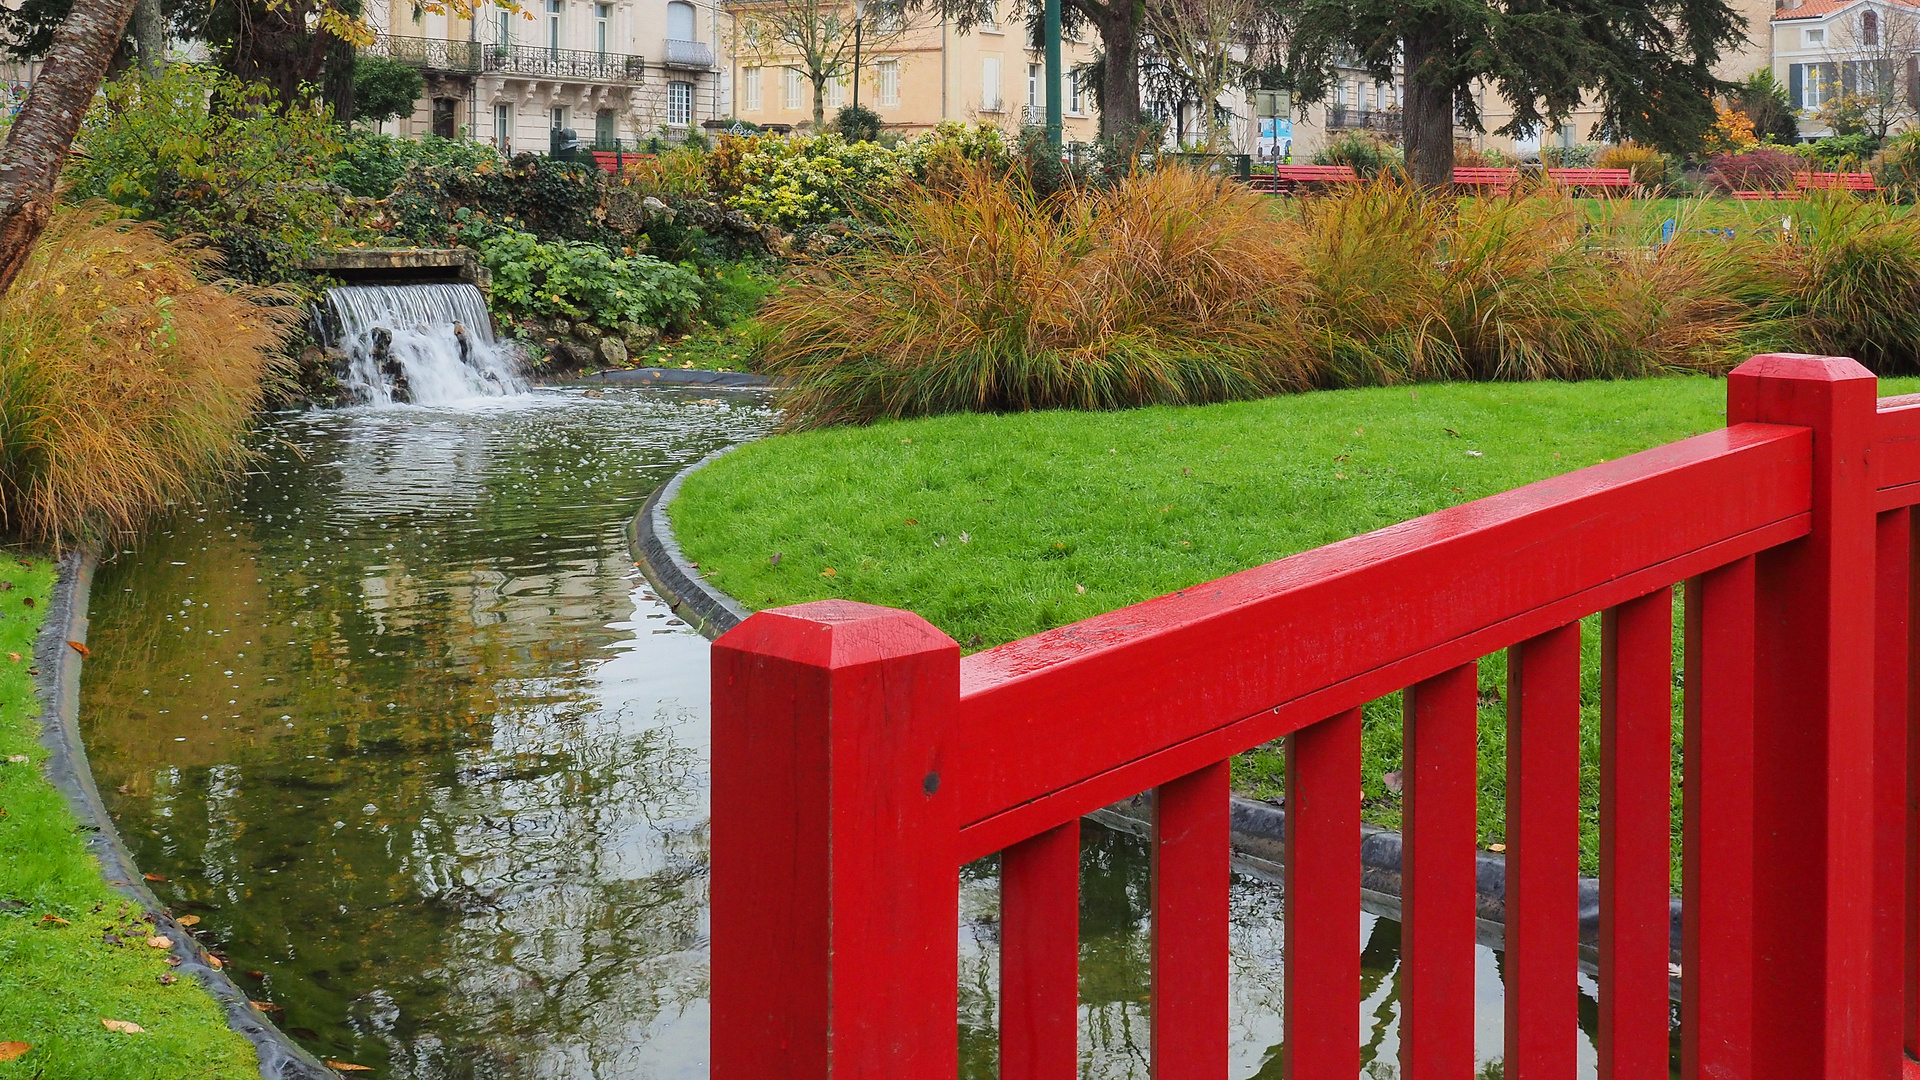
column 922, row 74
column 1823, row 48
column 609, row 70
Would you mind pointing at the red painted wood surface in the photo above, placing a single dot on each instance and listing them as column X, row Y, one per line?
column 1217, row 669
column 1040, row 956
column 1636, row 801
column 835, row 883
column 1716, row 1001
column 1813, row 728
column 1437, row 887
column 1323, row 900
column 1543, row 855
column 1191, row 848
column 1893, row 950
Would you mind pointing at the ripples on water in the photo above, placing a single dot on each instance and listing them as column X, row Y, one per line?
column 401, row 723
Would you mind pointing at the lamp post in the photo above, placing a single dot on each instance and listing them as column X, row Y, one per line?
column 1053, row 73
column 860, row 13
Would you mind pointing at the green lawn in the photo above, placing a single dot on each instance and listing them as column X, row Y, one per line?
column 996, row 527
column 61, row 970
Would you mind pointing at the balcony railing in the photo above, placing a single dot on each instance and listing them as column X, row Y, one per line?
column 696, row 55
column 431, row 54
column 1340, row 116
column 564, row 63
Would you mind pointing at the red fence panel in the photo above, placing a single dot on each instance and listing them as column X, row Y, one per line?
column 858, row 761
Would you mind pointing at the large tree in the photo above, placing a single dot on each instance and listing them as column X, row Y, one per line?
column 818, row 38
column 1646, row 64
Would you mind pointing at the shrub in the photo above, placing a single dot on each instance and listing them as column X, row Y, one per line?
column 385, row 89
column 1846, row 283
column 814, row 179
column 201, row 152
column 1732, row 131
column 371, row 165
column 1768, row 105
column 1168, row 287
column 948, row 155
column 578, row 280
column 857, row 123
column 1367, row 155
column 1649, row 166
column 1763, row 169
column 1843, row 152
column 1577, row 156
column 678, row 173
column 1897, row 166
column 127, row 377
column 552, row 199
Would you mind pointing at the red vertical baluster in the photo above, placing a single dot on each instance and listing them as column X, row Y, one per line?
column 1892, row 606
column 1911, row 1013
column 1437, row 876
column 1636, row 807
column 1543, row 855
column 1040, row 956
column 1813, row 732
column 1191, row 848
column 1716, row 870
column 835, row 878
column 1323, row 900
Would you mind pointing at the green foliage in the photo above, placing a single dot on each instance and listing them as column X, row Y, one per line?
column 1848, row 152
column 201, row 152
column 579, row 280
column 64, row 977
column 1649, row 166
column 732, row 292
column 1896, row 167
column 1847, row 114
column 1367, row 155
column 1766, row 103
column 385, row 89
column 1577, row 156
column 371, row 165
column 857, row 123
column 814, row 179
column 554, row 200
column 676, row 173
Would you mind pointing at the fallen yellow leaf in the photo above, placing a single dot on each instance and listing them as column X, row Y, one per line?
column 11, row 1050
column 188, row 920
column 159, row 941
column 348, row 1066
column 126, row 1027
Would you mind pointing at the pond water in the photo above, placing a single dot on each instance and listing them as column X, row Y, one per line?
column 402, row 724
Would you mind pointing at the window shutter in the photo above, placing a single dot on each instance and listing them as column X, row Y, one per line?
column 1797, row 85
column 1913, row 82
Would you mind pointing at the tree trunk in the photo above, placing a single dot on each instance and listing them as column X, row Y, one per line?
column 819, row 106
column 150, row 36
column 336, row 86
column 43, row 130
column 1427, row 118
column 1119, row 25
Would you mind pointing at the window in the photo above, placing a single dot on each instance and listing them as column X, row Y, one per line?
column 503, row 127
column 680, row 21
column 990, row 17
column 1817, row 37
column 559, row 117
column 1073, row 93
column 1870, row 28
column 680, row 103
column 1810, row 85
column 553, row 23
column 888, row 76
column 836, row 93
column 990, row 84
column 1035, row 80
column 443, row 112
column 885, row 18
column 504, row 29
column 750, row 89
column 792, row 96
column 602, row 15
column 603, row 134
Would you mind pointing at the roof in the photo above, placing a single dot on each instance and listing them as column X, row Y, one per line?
column 1816, row 9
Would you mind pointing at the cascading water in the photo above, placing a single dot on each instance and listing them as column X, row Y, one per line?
column 425, row 344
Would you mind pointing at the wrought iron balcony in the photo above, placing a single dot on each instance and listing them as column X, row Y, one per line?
column 1383, row 120
column 430, row 54
column 578, row 64
column 696, row 55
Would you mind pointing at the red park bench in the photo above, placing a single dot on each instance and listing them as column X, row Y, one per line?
column 1286, row 178
column 1621, row 179
column 1835, row 181
column 612, row 161
column 1498, row 181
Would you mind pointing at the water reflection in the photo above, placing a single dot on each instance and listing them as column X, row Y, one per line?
column 400, row 722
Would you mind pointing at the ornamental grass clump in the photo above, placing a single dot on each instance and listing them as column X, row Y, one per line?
column 1844, row 280
column 1168, row 287
column 128, row 377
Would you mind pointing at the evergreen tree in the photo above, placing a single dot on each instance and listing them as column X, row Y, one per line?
column 1647, row 64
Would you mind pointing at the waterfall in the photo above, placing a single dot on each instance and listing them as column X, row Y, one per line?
column 426, row 344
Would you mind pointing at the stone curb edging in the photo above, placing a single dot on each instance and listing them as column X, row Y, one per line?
column 677, row 581
column 58, row 684
column 1259, row 829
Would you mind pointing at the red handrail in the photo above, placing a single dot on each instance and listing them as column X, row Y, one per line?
column 858, row 761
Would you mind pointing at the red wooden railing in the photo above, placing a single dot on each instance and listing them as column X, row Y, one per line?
column 858, row 761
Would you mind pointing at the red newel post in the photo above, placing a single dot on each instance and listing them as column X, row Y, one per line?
column 835, row 881
column 1813, row 733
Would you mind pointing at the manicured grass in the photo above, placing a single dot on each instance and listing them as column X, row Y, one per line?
column 709, row 348
column 996, row 527
column 72, row 952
